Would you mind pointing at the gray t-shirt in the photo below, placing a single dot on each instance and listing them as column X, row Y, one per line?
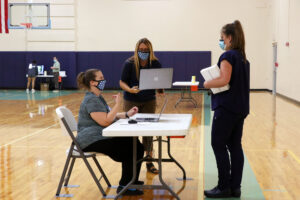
column 89, row 131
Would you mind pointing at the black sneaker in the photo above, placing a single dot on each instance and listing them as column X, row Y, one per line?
column 139, row 183
column 217, row 193
column 130, row 192
column 236, row 192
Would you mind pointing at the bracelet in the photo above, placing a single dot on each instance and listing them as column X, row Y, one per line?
column 126, row 115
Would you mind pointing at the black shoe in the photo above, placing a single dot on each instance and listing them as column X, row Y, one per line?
column 236, row 192
column 139, row 183
column 130, row 192
column 217, row 193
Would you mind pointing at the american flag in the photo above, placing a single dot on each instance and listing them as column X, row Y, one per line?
column 3, row 16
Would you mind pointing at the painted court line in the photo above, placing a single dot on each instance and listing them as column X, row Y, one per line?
column 37, row 132
column 294, row 156
column 281, row 150
column 27, row 136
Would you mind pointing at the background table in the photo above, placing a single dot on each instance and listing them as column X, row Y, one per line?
column 48, row 77
column 186, row 89
column 169, row 125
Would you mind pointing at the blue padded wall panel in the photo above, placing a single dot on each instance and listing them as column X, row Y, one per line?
column 13, row 65
column 196, row 62
column 12, row 69
column 67, row 63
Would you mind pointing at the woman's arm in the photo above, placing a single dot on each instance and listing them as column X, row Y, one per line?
column 129, row 113
column 225, row 76
column 125, row 87
column 105, row 119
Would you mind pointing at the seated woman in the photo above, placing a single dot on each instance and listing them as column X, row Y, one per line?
column 94, row 116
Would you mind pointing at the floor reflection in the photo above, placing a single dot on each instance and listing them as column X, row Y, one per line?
column 274, row 122
column 5, row 168
column 39, row 109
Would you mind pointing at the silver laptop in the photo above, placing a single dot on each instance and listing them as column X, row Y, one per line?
column 160, row 78
column 153, row 119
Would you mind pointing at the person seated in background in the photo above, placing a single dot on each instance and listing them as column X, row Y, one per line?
column 94, row 116
column 31, row 76
column 55, row 69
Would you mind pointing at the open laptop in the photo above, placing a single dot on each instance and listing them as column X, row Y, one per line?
column 153, row 119
column 40, row 69
column 158, row 78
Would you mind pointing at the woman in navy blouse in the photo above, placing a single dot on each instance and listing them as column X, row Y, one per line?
column 230, row 110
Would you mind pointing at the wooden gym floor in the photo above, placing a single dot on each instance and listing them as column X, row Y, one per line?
column 33, row 149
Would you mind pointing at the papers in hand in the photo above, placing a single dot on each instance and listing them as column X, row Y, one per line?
column 211, row 73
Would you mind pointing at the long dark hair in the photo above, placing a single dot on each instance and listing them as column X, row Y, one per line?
column 235, row 30
column 84, row 78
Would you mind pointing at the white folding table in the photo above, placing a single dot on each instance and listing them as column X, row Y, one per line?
column 186, row 89
column 168, row 125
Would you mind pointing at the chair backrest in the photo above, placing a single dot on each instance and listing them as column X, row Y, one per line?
column 64, row 113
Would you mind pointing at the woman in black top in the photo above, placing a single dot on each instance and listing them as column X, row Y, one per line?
column 31, row 76
column 145, row 100
column 231, row 108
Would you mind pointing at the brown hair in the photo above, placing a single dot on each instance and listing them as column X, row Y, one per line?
column 236, row 32
column 135, row 57
column 84, row 78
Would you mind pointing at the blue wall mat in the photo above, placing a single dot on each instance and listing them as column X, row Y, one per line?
column 13, row 65
column 12, row 69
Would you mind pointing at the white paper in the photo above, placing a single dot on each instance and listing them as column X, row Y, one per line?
column 211, row 73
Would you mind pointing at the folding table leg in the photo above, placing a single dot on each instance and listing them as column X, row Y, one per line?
column 172, row 158
column 165, row 186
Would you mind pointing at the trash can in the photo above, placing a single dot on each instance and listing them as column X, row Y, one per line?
column 44, row 86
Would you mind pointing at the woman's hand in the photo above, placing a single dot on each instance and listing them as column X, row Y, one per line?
column 205, row 85
column 134, row 90
column 117, row 99
column 132, row 111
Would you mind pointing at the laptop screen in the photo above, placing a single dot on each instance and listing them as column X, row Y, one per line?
column 163, row 108
column 40, row 69
column 158, row 78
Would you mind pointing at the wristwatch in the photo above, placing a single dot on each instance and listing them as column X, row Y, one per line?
column 126, row 115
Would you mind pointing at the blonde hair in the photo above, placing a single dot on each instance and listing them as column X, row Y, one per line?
column 135, row 57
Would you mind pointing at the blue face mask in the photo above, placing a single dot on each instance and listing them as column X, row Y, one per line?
column 222, row 44
column 143, row 55
column 101, row 85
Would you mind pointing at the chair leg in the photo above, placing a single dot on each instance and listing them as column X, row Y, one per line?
column 69, row 171
column 93, row 175
column 102, row 172
column 63, row 174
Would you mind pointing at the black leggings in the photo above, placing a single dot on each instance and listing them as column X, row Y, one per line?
column 227, row 131
column 120, row 150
